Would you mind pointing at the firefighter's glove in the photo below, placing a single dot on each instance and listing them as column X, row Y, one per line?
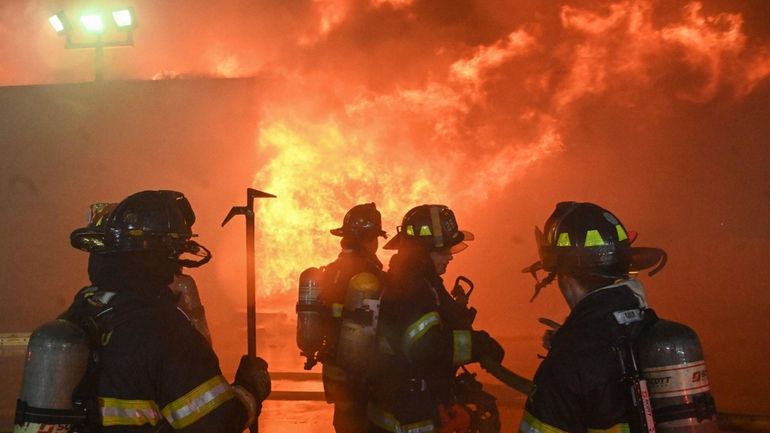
column 252, row 385
column 486, row 349
column 252, row 375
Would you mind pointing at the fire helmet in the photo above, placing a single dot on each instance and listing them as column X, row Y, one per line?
column 433, row 226
column 586, row 239
column 361, row 221
column 148, row 220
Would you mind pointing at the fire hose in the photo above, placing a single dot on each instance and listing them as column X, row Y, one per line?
column 507, row 377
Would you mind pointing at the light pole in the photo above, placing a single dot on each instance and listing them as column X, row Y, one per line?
column 97, row 30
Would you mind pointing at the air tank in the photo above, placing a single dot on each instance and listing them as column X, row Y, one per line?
column 57, row 358
column 672, row 362
column 359, row 323
column 310, row 325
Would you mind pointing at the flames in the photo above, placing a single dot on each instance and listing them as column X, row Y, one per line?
column 402, row 102
column 483, row 115
column 318, row 171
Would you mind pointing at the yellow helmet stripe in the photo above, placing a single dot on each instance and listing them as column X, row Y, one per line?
column 621, row 233
column 594, row 239
column 563, row 240
column 438, row 233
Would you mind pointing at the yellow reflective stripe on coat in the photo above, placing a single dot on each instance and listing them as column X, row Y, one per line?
column 617, row 428
column 419, row 328
column 382, row 419
column 462, row 347
column 198, row 403
column 530, row 424
column 116, row 411
column 386, row 421
column 337, row 310
column 418, row 427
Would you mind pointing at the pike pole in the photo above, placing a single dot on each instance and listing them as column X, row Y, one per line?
column 251, row 308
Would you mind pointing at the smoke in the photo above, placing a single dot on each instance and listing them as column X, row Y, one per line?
column 403, row 102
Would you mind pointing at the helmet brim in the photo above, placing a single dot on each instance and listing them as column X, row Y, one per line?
column 339, row 232
column 646, row 257
column 87, row 239
column 394, row 243
column 458, row 243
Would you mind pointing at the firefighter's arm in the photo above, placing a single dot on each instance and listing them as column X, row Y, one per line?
column 553, row 406
column 427, row 340
column 194, row 396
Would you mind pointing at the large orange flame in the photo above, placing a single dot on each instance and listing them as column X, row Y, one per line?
column 415, row 144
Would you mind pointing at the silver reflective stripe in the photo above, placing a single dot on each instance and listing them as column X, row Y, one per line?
column 197, row 403
column 462, row 347
column 128, row 412
column 419, row 328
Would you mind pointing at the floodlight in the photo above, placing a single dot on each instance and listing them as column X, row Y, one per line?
column 58, row 22
column 92, row 23
column 95, row 32
column 124, row 18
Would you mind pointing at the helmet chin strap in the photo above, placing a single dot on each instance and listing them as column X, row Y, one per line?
column 195, row 248
column 541, row 283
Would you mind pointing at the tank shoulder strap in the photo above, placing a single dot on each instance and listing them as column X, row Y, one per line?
column 88, row 311
column 626, row 326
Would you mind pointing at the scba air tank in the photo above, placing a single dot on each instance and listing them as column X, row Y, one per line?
column 57, row 357
column 359, row 323
column 190, row 303
column 671, row 358
column 310, row 326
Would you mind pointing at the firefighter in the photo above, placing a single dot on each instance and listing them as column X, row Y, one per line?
column 150, row 369
column 422, row 340
column 582, row 385
column 357, row 270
